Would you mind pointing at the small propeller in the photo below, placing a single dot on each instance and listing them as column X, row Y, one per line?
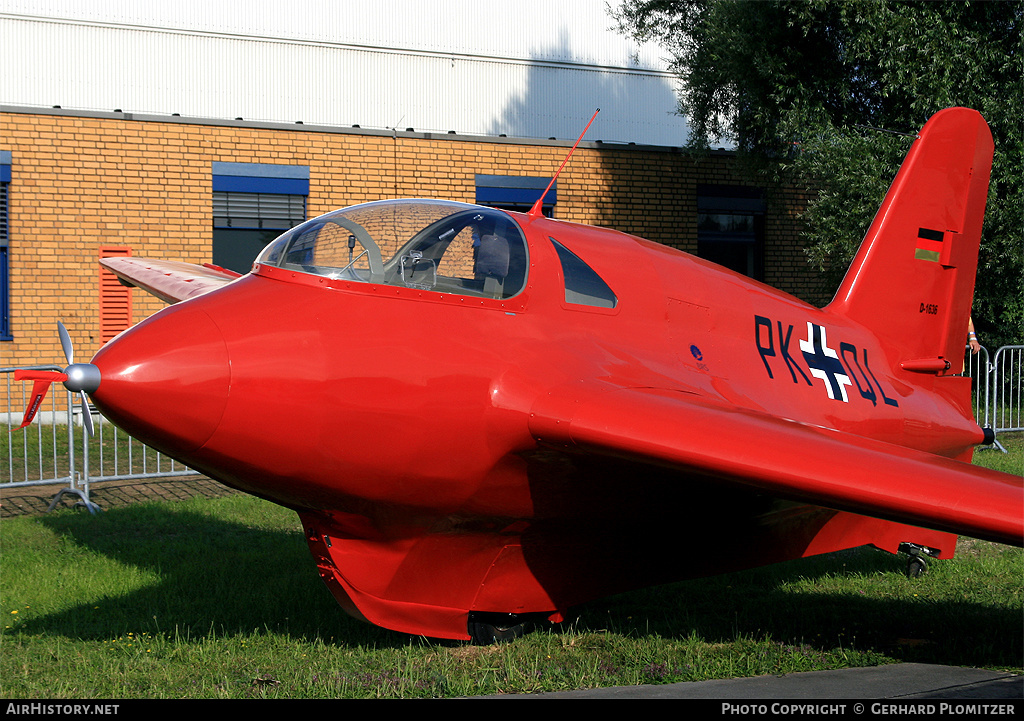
column 78, row 378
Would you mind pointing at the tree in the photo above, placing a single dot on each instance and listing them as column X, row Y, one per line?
column 812, row 88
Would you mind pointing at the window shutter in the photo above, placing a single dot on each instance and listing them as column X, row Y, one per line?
column 258, row 210
column 115, row 298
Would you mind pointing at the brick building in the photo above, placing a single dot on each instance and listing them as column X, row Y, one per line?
column 79, row 185
column 175, row 173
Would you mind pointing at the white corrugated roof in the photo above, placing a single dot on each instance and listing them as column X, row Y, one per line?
column 530, row 68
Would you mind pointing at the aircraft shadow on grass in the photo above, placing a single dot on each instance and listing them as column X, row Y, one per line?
column 255, row 579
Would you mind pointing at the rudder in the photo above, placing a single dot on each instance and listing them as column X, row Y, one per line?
column 912, row 281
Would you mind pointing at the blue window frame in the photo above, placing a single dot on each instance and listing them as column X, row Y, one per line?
column 252, row 205
column 514, row 192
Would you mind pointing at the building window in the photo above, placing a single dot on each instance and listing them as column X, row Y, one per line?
column 730, row 228
column 515, row 193
column 5, row 284
column 252, row 205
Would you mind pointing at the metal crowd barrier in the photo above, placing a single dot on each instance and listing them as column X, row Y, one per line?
column 997, row 388
column 56, row 450
column 1006, row 404
column 979, row 369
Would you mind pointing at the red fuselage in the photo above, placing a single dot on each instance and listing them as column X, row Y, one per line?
column 401, row 422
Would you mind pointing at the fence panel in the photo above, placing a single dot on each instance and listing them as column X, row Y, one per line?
column 1006, row 408
column 979, row 369
column 56, row 450
column 43, row 453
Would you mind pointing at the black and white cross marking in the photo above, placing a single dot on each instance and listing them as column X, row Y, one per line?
column 824, row 363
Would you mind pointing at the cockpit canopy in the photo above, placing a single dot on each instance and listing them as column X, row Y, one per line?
column 431, row 245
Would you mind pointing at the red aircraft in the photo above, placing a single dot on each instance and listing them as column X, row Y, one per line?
column 485, row 417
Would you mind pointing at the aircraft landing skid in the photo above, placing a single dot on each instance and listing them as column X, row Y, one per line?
column 489, row 628
column 917, row 561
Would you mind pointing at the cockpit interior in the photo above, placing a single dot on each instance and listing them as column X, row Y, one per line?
column 431, row 245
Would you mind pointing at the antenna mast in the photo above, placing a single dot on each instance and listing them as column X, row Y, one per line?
column 537, row 208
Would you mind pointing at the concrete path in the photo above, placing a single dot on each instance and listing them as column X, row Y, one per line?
column 896, row 682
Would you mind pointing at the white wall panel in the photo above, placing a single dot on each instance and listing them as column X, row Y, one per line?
column 523, row 68
column 577, row 31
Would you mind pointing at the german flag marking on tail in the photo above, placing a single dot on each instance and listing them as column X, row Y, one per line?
column 929, row 244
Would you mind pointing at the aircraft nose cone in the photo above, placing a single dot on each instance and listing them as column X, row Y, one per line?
column 166, row 381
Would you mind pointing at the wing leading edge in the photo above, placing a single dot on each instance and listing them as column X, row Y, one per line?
column 785, row 458
column 170, row 281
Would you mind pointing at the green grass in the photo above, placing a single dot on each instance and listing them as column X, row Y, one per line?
column 220, row 599
column 1012, row 461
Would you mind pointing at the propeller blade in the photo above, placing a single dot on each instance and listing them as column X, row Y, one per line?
column 79, row 378
column 86, row 414
column 65, row 343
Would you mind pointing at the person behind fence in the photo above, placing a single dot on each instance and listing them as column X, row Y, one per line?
column 972, row 338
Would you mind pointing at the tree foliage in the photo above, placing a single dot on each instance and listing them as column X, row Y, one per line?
column 810, row 87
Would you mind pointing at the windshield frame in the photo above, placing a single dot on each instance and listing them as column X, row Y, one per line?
column 280, row 254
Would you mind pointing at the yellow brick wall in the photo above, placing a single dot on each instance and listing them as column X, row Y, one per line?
column 79, row 183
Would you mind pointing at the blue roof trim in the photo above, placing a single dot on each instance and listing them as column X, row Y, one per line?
column 259, row 178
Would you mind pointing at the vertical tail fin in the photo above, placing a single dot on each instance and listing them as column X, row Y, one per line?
column 912, row 281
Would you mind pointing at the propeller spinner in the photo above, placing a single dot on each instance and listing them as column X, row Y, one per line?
column 81, row 378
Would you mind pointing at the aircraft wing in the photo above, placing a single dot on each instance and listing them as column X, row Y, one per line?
column 169, row 280
column 784, row 458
